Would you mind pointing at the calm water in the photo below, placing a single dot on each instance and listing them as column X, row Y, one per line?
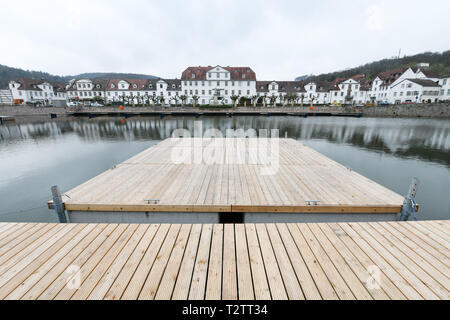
column 36, row 156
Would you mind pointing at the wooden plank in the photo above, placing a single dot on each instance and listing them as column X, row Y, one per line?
column 336, row 280
column 122, row 280
column 244, row 272
column 360, row 264
column 72, row 236
column 46, row 275
column 214, row 284
column 89, row 266
column 171, row 273
column 183, row 282
column 105, row 283
column 155, row 275
column 198, row 284
column 411, row 260
column 229, row 276
column 346, row 270
column 136, row 283
column 260, row 281
column 274, row 277
column 323, row 285
column 441, row 265
column 292, row 285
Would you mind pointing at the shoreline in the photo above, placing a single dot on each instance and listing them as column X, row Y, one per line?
column 438, row 111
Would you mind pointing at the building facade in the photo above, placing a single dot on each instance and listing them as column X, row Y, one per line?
column 217, row 85
column 225, row 85
column 37, row 91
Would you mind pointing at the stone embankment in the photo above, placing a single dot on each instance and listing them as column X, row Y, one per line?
column 404, row 111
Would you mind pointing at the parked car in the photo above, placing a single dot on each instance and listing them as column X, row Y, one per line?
column 34, row 103
column 96, row 105
column 384, row 103
column 71, row 104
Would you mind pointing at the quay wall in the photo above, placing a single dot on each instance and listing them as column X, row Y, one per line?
column 405, row 111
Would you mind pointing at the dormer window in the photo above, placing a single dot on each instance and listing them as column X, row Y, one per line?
column 193, row 76
column 112, row 86
column 174, row 86
column 135, row 86
column 150, row 86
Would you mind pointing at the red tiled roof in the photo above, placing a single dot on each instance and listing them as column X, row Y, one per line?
column 236, row 73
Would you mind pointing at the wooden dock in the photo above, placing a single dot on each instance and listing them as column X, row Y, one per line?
column 299, row 181
column 357, row 261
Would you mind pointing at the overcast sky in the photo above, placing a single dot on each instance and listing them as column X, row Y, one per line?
column 278, row 39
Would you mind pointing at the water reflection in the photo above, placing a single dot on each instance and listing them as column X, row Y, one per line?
column 427, row 140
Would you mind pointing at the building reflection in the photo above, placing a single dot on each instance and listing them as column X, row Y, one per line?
column 427, row 140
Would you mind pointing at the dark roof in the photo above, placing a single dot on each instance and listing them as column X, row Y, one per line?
column 391, row 76
column 424, row 82
column 58, row 87
column 30, row 84
column 283, row 86
column 135, row 85
column 173, row 82
column 236, row 73
column 429, row 74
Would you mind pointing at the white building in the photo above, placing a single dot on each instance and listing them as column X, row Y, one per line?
column 144, row 91
column 31, row 90
column 280, row 92
column 415, row 91
column 86, row 89
column 445, row 88
column 218, row 84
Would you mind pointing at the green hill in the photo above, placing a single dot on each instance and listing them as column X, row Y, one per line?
column 439, row 63
column 7, row 74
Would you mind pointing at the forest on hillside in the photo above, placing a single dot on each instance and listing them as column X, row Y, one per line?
column 439, row 63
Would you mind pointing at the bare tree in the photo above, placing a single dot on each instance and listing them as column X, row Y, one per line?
column 235, row 100
column 183, row 100
column 195, row 99
column 254, row 100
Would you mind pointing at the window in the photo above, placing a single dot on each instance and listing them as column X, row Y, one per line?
column 193, row 76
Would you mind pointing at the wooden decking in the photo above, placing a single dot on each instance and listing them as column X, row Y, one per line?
column 238, row 180
column 410, row 260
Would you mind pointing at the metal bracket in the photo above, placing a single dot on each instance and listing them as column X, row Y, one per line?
column 152, row 201
column 409, row 208
column 312, row 202
column 58, row 205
